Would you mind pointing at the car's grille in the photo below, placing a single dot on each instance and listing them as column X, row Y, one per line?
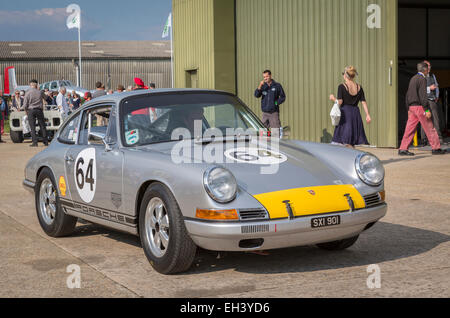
column 253, row 214
column 372, row 200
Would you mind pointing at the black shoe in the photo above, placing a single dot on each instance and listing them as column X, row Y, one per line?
column 2, row 142
column 439, row 152
column 46, row 144
column 405, row 153
column 33, row 145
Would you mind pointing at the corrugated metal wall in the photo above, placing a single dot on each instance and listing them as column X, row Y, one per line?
column 307, row 44
column 193, row 34
column 122, row 71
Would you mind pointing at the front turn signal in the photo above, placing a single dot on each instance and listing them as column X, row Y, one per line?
column 383, row 196
column 206, row 214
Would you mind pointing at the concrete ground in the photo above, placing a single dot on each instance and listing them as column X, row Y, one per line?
column 411, row 246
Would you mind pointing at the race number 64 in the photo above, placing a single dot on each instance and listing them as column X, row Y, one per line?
column 85, row 174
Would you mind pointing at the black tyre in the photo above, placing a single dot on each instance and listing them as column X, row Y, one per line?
column 164, row 237
column 52, row 218
column 339, row 245
column 16, row 136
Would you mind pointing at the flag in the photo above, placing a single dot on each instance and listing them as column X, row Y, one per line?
column 74, row 20
column 167, row 26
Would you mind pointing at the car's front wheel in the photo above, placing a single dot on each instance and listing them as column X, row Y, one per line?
column 164, row 237
column 51, row 217
column 339, row 245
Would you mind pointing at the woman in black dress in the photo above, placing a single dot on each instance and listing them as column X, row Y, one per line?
column 350, row 131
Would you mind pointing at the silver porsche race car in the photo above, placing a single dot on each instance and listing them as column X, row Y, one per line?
column 196, row 168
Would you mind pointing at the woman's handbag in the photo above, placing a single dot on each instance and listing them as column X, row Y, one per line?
column 335, row 114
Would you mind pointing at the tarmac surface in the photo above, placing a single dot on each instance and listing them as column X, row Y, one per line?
column 411, row 247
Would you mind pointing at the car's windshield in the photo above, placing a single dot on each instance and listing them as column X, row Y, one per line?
column 167, row 117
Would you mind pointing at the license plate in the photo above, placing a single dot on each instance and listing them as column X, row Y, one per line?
column 326, row 221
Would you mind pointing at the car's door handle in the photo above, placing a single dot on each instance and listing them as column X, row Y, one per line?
column 69, row 159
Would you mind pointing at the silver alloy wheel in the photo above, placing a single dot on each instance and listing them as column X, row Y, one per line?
column 47, row 201
column 157, row 227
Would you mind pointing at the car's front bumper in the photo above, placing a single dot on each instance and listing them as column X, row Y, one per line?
column 280, row 233
column 28, row 185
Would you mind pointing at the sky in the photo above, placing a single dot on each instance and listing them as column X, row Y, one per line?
column 102, row 20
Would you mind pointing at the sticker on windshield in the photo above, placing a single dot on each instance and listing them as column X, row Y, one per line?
column 132, row 137
column 256, row 156
column 85, row 173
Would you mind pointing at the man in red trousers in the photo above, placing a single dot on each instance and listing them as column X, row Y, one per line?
column 419, row 111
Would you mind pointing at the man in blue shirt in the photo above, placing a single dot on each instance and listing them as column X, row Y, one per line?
column 273, row 96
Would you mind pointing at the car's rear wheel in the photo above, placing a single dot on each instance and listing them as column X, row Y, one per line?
column 51, row 217
column 338, row 245
column 164, row 237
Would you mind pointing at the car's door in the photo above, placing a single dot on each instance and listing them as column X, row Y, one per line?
column 95, row 170
column 67, row 139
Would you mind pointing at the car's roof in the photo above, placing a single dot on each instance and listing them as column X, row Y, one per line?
column 117, row 97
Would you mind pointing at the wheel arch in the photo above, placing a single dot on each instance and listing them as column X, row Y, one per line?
column 39, row 171
column 141, row 191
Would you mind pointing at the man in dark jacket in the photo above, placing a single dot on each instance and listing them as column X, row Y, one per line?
column 419, row 111
column 273, row 96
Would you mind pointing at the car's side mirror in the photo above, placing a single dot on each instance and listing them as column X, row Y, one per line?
column 99, row 138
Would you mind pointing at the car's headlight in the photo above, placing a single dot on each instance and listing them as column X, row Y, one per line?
column 220, row 184
column 369, row 169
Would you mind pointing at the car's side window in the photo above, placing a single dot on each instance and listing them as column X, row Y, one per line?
column 94, row 120
column 111, row 137
column 54, row 85
column 46, row 86
column 69, row 133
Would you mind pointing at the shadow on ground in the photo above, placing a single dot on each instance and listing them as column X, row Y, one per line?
column 384, row 242
column 386, row 162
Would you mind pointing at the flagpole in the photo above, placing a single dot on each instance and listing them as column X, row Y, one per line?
column 171, row 50
column 79, row 51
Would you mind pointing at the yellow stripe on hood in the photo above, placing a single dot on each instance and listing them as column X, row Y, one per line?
column 310, row 201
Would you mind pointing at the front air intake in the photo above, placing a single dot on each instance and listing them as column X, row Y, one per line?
column 372, row 200
column 253, row 214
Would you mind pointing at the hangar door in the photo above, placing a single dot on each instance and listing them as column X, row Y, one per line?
column 306, row 44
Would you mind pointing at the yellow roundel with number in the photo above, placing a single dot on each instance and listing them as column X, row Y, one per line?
column 62, row 186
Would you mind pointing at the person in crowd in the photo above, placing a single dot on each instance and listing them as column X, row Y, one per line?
column 62, row 103
column 152, row 86
column 34, row 106
column 76, row 101
column 99, row 90
column 129, row 88
column 418, row 107
column 435, row 106
column 48, row 98
column 17, row 102
column 120, row 89
column 350, row 131
column 1, row 120
column 110, row 92
column 87, row 97
column 139, row 84
column 272, row 96
column 54, row 95
column 3, row 113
